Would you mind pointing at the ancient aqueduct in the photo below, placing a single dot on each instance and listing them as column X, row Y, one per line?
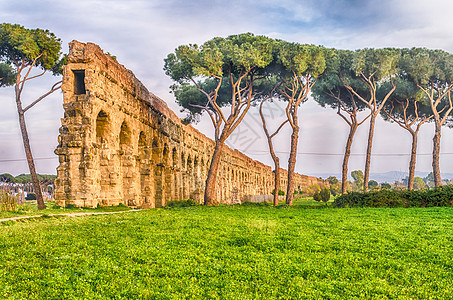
column 119, row 143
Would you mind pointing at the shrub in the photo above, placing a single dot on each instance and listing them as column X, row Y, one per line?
column 440, row 196
column 181, row 203
column 386, row 185
column 323, row 195
column 30, row 196
column 280, row 192
column 7, row 202
column 257, row 204
column 313, row 189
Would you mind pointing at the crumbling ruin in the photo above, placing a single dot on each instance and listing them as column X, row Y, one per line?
column 119, row 143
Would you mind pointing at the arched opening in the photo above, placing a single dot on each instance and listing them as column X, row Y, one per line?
column 146, row 188
column 168, row 182
column 174, row 158
column 104, row 171
column 158, row 172
column 102, row 122
column 125, row 135
column 126, row 166
column 183, row 162
column 176, row 174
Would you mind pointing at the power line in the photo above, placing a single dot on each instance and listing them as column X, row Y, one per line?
column 264, row 152
column 24, row 159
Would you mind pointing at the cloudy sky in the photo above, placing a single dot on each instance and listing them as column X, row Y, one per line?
column 140, row 33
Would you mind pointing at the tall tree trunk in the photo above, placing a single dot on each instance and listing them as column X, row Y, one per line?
column 276, row 181
column 410, row 181
column 366, row 176
column 292, row 164
column 347, row 154
column 436, row 152
column 211, row 180
column 31, row 164
column 277, row 168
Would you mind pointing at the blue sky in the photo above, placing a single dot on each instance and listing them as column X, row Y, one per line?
column 141, row 33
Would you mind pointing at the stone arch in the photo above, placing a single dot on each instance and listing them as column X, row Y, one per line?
column 174, row 157
column 102, row 127
column 165, row 153
column 176, row 174
column 189, row 163
column 168, row 171
column 126, row 165
column 146, row 188
column 188, row 181
column 183, row 162
column 195, row 165
column 156, row 151
column 158, row 173
column 105, row 174
column 125, row 135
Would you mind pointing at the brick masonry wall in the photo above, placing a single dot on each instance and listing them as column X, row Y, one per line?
column 119, row 143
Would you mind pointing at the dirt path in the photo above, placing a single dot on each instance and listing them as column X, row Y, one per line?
column 70, row 214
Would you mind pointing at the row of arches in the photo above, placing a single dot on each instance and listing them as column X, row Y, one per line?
column 137, row 170
column 137, row 165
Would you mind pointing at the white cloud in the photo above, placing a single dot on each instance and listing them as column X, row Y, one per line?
column 142, row 33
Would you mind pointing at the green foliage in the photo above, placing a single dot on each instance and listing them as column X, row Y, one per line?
column 377, row 63
column 386, row 185
column 408, row 104
column 7, row 202
column 37, row 47
column 357, row 175
column 419, row 183
column 30, row 196
column 329, row 90
column 181, row 203
column 313, row 189
column 231, row 253
column 6, row 177
column 323, row 195
column 7, row 75
column 440, row 196
column 427, row 67
column 26, row 178
column 303, row 59
column 280, row 192
column 429, row 179
column 216, row 71
column 334, row 183
column 373, row 184
column 257, row 204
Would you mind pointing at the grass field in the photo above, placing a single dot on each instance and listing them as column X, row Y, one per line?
column 232, row 252
column 29, row 208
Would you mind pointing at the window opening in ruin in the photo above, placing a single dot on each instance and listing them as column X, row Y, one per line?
column 79, row 82
column 142, row 140
column 189, row 163
column 101, row 127
column 125, row 135
column 174, row 157
column 165, row 150
column 156, row 152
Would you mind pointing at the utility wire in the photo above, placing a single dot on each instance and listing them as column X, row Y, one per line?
column 264, row 152
column 24, row 159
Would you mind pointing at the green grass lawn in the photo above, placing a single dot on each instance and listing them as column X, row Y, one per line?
column 29, row 208
column 232, row 253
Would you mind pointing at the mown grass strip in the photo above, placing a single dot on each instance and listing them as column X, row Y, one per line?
column 232, row 253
